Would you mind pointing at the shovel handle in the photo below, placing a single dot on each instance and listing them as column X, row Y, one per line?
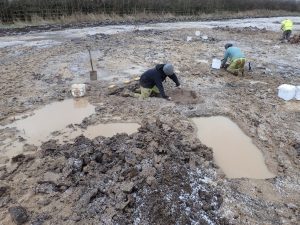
column 91, row 59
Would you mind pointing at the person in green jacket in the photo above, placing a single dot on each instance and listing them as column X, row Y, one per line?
column 286, row 27
column 237, row 60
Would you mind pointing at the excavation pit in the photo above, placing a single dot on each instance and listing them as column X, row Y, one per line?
column 183, row 96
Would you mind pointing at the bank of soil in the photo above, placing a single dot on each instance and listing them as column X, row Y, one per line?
column 162, row 174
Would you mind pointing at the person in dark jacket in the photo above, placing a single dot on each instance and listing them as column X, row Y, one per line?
column 151, row 80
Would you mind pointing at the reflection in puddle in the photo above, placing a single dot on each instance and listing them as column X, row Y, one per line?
column 233, row 151
column 105, row 130
column 53, row 117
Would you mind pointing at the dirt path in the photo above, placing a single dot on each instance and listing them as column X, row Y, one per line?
column 162, row 174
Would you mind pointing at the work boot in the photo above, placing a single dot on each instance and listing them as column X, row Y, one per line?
column 127, row 93
column 235, row 73
column 138, row 90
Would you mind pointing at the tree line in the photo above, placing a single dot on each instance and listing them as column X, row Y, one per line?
column 11, row 10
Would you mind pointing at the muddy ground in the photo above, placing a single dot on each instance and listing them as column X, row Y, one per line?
column 162, row 174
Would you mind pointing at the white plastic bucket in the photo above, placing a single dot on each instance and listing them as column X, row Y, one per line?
column 78, row 90
column 216, row 64
column 297, row 93
column 197, row 33
column 286, row 91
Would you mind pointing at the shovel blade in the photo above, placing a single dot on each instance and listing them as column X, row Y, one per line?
column 93, row 75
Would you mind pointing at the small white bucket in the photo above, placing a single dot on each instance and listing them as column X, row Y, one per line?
column 297, row 93
column 286, row 91
column 197, row 33
column 78, row 90
column 216, row 64
column 188, row 38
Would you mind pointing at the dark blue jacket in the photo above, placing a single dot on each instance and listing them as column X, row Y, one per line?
column 156, row 76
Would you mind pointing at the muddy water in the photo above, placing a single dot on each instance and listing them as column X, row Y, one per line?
column 53, row 117
column 233, row 151
column 105, row 130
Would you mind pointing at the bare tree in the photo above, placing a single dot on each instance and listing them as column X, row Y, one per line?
column 11, row 10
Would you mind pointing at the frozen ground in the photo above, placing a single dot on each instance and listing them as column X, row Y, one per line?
column 162, row 174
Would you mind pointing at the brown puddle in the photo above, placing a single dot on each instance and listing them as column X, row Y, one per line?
column 53, row 117
column 38, row 127
column 56, row 117
column 234, row 151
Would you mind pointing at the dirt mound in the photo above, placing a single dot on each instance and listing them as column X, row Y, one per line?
column 152, row 177
column 249, row 29
column 295, row 39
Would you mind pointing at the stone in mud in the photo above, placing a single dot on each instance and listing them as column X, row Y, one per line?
column 110, row 212
column 206, row 207
column 151, row 181
column 297, row 148
column 46, row 188
column 75, row 164
column 123, row 205
column 261, row 132
column 148, row 171
column 29, row 148
column 130, row 173
column 224, row 221
column 130, row 159
column 127, row 187
column 40, row 219
column 49, row 147
column 236, row 216
column 87, row 197
column 44, row 202
column 18, row 214
column 3, row 190
column 18, row 158
column 166, row 128
column 205, row 195
column 76, row 218
column 292, row 206
column 98, row 158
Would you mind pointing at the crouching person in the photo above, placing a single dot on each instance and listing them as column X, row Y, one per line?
column 286, row 27
column 151, row 81
column 237, row 60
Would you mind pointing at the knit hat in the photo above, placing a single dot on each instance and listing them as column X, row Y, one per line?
column 168, row 69
column 228, row 45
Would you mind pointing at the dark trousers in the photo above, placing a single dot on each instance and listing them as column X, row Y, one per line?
column 286, row 35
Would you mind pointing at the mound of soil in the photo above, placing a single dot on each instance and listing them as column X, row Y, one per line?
column 151, row 177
